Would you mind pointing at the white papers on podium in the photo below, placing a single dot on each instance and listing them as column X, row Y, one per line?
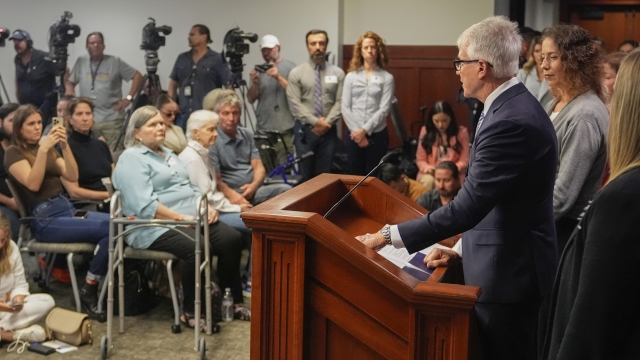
column 410, row 263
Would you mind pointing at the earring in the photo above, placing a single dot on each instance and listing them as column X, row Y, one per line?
column 197, row 137
column 139, row 139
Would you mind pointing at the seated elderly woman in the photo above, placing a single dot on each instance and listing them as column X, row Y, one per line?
column 36, row 169
column 202, row 133
column 92, row 156
column 18, row 307
column 155, row 185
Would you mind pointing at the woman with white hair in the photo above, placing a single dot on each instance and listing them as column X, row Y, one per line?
column 155, row 185
column 201, row 134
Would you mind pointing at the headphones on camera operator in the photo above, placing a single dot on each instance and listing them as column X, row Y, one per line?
column 24, row 35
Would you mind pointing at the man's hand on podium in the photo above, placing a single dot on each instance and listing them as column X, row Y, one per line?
column 442, row 258
column 373, row 241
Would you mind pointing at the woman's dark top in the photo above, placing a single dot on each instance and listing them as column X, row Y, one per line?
column 93, row 158
column 4, row 188
column 51, row 184
column 593, row 310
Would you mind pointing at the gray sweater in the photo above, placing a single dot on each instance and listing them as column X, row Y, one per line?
column 581, row 128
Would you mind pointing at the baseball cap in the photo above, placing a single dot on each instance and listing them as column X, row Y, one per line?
column 20, row 35
column 269, row 41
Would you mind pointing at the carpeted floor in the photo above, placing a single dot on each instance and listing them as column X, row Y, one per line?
column 146, row 336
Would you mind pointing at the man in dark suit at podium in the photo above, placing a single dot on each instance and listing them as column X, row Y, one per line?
column 505, row 205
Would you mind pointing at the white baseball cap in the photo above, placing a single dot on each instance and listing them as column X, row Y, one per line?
column 269, row 41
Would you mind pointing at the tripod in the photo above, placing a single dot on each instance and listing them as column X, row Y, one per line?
column 5, row 92
column 239, row 85
column 147, row 92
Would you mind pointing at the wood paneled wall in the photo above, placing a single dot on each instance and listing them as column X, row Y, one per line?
column 423, row 75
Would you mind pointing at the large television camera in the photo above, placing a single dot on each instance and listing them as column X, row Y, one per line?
column 4, row 34
column 61, row 34
column 151, row 38
column 235, row 48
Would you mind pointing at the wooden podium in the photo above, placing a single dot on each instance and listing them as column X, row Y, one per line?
column 318, row 293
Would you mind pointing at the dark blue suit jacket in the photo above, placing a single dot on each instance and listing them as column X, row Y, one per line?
column 505, row 206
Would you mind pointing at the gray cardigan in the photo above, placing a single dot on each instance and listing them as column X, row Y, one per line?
column 581, row 128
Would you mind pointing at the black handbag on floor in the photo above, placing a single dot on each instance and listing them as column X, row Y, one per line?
column 138, row 296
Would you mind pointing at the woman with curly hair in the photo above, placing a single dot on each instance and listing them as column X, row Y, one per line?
column 572, row 65
column 531, row 74
column 593, row 312
column 366, row 99
column 441, row 139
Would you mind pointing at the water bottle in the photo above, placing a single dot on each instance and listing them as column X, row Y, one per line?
column 227, row 305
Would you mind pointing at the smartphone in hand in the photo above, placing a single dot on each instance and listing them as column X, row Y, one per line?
column 57, row 121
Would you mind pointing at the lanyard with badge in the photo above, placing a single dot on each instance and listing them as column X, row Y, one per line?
column 93, row 78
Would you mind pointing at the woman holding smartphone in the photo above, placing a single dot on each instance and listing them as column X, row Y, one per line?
column 36, row 170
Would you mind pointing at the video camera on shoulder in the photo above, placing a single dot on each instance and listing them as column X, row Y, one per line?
column 4, row 34
column 262, row 68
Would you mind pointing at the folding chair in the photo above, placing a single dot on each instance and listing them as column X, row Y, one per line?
column 117, row 254
column 51, row 249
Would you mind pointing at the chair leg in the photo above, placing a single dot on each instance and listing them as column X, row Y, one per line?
column 74, row 282
column 174, row 296
column 51, row 259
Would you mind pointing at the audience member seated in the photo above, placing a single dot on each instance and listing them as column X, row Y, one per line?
column 7, row 204
column 531, row 74
column 62, row 111
column 441, row 139
column 92, row 156
column 627, row 46
column 209, row 101
column 155, row 185
column 392, row 176
column 174, row 138
column 447, row 186
column 37, row 169
column 235, row 158
column 202, row 132
column 572, row 63
column 593, row 312
column 19, row 309
column 610, row 73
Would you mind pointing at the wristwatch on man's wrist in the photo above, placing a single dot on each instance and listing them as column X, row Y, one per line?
column 386, row 232
column 129, row 97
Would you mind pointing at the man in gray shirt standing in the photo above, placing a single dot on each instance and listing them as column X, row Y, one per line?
column 315, row 96
column 99, row 77
column 269, row 88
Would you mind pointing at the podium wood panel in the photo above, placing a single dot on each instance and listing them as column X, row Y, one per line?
column 318, row 293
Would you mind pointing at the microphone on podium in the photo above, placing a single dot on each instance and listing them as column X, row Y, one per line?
column 384, row 159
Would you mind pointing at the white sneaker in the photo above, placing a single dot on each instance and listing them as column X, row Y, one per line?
column 33, row 334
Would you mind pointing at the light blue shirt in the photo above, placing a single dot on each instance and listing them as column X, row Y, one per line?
column 145, row 179
column 365, row 104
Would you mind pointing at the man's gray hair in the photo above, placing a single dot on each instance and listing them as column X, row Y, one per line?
column 227, row 97
column 495, row 40
column 137, row 120
column 198, row 119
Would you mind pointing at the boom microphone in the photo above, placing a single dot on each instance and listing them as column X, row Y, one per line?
column 382, row 161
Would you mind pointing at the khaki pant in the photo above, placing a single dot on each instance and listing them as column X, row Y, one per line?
column 111, row 131
column 279, row 146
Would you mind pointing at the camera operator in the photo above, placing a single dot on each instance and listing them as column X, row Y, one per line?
column 35, row 74
column 270, row 89
column 195, row 73
column 99, row 77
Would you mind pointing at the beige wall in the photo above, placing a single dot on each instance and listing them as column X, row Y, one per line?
column 413, row 22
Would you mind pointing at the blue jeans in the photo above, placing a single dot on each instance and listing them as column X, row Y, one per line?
column 14, row 221
column 57, row 225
